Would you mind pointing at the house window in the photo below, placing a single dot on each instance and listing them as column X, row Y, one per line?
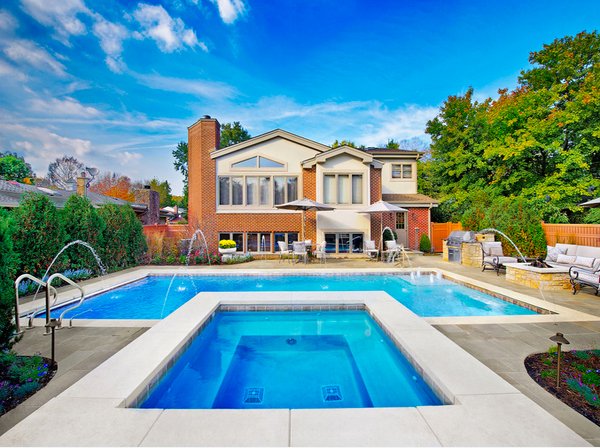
column 256, row 190
column 343, row 189
column 258, row 242
column 400, row 220
column 235, row 236
column 344, row 243
column 257, row 162
column 285, row 189
column 402, row 171
column 286, row 238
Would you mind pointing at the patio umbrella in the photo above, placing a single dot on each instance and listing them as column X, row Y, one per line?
column 304, row 205
column 592, row 203
column 382, row 207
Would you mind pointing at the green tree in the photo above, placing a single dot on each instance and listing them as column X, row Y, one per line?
column 232, row 133
column 180, row 154
column 392, row 144
column 337, row 144
column 38, row 234
column 164, row 191
column 14, row 167
column 8, row 270
column 82, row 222
column 123, row 241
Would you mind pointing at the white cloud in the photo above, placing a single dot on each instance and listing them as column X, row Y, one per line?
column 8, row 71
column 60, row 15
column 111, row 36
column 27, row 52
column 127, row 157
column 230, row 10
column 168, row 33
column 7, row 22
column 68, row 107
column 197, row 87
column 41, row 146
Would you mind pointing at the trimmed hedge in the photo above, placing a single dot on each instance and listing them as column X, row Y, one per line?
column 425, row 244
column 8, row 269
column 123, row 241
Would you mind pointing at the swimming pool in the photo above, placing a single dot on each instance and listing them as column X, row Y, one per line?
column 157, row 296
column 292, row 360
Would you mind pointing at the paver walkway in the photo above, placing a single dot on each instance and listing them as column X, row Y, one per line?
column 501, row 347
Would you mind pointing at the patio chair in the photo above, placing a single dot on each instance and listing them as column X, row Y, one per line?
column 299, row 251
column 321, row 252
column 392, row 250
column 284, row 252
column 371, row 249
column 493, row 257
column 580, row 277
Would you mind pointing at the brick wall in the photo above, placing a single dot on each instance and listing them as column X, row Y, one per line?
column 375, row 192
column 417, row 217
column 152, row 199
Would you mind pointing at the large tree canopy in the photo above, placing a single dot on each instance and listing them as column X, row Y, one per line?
column 539, row 142
column 14, row 167
column 232, row 133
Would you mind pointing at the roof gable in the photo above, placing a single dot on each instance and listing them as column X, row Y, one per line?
column 347, row 150
column 277, row 133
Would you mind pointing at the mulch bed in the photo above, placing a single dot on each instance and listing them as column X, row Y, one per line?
column 12, row 391
column 579, row 379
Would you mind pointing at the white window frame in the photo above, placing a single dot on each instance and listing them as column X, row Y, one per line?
column 401, row 168
column 271, row 192
column 256, row 168
column 336, row 174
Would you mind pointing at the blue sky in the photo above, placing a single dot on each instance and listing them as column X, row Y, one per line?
column 116, row 83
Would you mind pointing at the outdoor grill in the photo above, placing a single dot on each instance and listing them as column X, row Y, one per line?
column 454, row 241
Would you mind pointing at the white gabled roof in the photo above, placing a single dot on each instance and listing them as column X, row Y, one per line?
column 277, row 133
column 322, row 157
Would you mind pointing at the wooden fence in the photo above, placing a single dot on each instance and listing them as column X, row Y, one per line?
column 167, row 231
column 440, row 231
column 582, row 234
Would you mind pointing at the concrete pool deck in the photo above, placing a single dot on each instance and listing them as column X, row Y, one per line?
column 501, row 346
column 94, row 411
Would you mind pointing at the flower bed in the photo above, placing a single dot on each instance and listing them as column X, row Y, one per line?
column 579, row 378
column 21, row 377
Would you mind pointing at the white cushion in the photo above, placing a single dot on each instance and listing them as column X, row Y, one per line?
column 586, row 262
column 569, row 249
column 553, row 252
column 566, row 259
column 590, row 278
column 496, row 251
column 500, row 260
column 488, row 246
column 588, row 251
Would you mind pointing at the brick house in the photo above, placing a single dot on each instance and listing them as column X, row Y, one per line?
column 233, row 191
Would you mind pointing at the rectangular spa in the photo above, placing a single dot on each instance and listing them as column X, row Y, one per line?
column 157, row 296
column 291, row 360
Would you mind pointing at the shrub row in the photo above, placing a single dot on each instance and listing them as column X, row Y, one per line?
column 32, row 234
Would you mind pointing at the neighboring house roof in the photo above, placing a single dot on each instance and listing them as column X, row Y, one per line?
column 365, row 157
column 11, row 193
column 414, row 200
column 277, row 133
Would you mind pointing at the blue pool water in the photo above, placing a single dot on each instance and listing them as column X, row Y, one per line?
column 260, row 360
column 155, row 297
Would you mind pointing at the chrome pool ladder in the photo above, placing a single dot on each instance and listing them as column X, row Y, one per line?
column 38, row 281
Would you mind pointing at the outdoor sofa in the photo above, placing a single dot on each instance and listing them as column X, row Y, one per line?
column 493, row 257
column 583, row 263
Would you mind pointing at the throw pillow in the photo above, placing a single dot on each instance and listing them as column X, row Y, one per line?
column 586, row 262
column 554, row 252
column 566, row 259
column 496, row 251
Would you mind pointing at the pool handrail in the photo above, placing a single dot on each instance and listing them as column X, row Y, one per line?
column 17, row 297
column 72, row 283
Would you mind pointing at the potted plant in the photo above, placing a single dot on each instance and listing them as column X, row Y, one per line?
column 227, row 247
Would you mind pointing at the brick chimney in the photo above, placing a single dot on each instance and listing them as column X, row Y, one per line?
column 204, row 137
column 152, row 200
column 82, row 185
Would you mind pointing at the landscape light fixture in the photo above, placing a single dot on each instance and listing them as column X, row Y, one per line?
column 93, row 172
column 560, row 340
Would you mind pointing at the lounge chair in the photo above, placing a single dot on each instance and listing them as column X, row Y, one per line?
column 493, row 257
column 580, row 277
column 299, row 251
column 284, row 252
column 370, row 249
column 321, row 252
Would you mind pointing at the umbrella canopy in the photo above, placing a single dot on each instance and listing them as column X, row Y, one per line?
column 382, row 207
column 592, row 203
column 304, row 205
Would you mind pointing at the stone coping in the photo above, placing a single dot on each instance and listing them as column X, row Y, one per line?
column 550, row 312
column 481, row 408
column 528, row 267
